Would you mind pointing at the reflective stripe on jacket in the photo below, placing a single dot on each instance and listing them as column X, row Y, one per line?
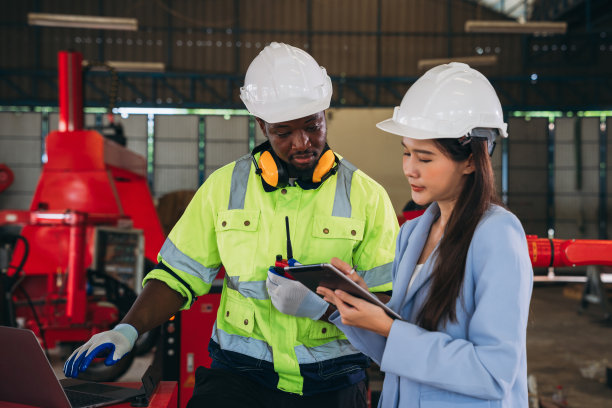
column 233, row 221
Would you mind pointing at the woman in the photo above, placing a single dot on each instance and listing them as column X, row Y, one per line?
column 462, row 277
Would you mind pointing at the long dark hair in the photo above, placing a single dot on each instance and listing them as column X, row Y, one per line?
column 477, row 195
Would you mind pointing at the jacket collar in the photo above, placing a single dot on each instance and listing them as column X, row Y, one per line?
column 410, row 256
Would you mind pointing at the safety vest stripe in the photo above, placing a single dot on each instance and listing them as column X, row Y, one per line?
column 253, row 289
column 261, row 350
column 377, row 276
column 178, row 260
column 327, row 351
column 240, row 179
column 342, row 200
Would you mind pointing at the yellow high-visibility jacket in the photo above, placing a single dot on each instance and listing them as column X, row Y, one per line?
column 232, row 221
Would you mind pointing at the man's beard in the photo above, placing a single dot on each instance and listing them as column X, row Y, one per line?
column 301, row 173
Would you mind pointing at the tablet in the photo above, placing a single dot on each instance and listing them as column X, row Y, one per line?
column 330, row 277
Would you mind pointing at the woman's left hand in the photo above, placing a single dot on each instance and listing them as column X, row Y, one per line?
column 358, row 312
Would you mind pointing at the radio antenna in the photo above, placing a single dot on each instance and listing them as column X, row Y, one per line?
column 289, row 249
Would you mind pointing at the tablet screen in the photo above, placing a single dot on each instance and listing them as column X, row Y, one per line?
column 330, row 277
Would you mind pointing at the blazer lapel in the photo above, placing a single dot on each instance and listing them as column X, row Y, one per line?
column 410, row 256
column 421, row 279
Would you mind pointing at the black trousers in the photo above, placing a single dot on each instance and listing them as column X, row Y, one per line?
column 227, row 389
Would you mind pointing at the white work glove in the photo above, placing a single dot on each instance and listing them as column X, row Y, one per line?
column 118, row 341
column 293, row 298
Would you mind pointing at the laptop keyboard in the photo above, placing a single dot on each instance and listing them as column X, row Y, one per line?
column 78, row 399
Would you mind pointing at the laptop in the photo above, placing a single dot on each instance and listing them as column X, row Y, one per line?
column 26, row 377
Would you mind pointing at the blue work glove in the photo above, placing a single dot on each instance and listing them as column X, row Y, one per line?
column 293, row 298
column 118, row 341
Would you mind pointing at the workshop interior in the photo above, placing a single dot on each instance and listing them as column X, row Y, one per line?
column 113, row 114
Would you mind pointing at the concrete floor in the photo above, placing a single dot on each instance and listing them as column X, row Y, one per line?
column 565, row 347
column 560, row 342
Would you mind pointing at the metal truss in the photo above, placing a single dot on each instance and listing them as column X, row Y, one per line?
column 193, row 90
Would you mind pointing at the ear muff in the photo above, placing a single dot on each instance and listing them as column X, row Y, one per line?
column 325, row 164
column 273, row 172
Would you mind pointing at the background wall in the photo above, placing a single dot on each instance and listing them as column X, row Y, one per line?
column 552, row 172
column 354, row 135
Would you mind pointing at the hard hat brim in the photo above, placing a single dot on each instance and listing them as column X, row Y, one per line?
column 391, row 126
column 301, row 109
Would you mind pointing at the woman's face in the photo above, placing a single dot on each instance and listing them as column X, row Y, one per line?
column 432, row 175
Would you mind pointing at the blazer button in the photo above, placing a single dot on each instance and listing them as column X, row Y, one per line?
column 324, row 330
column 353, row 232
column 223, row 224
column 246, row 322
column 247, row 223
column 284, row 191
column 325, row 230
column 227, row 313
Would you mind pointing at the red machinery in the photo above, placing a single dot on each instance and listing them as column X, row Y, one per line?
column 6, row 177
column 88, row 182
column 186, row 337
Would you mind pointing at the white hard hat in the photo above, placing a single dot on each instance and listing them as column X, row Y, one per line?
column 448, row 101
column 285, row 83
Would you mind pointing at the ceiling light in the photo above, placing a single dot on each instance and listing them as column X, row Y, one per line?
column 127, row 66
column 77, row 21
column 513, row 27
column 473, row 61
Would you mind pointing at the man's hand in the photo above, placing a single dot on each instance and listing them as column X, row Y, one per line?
column 118, row 342
column 293, row 298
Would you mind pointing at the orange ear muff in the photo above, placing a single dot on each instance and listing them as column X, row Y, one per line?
column 269, row 169
column 324, row 165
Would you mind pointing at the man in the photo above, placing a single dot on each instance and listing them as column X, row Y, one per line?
column 271, row 344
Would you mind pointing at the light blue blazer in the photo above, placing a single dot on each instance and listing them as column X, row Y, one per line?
column 479, row 361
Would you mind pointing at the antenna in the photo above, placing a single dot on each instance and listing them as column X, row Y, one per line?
column 289, row 250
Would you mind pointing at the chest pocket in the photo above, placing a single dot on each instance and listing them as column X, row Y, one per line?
column 336, row 236
column 237, row 229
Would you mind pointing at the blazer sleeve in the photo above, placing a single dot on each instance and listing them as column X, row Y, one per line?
column 486, row 363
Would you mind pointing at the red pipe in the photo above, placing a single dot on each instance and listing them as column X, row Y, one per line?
column 76, row 304
column 571, row 252
column 70, row 84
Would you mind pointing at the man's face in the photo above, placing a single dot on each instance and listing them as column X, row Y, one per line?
column 298, row 142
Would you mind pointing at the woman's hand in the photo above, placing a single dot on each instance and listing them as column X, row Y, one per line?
column 348, row 271
column 358, row 312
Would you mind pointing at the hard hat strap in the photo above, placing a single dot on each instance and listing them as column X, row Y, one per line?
column 488, row 134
